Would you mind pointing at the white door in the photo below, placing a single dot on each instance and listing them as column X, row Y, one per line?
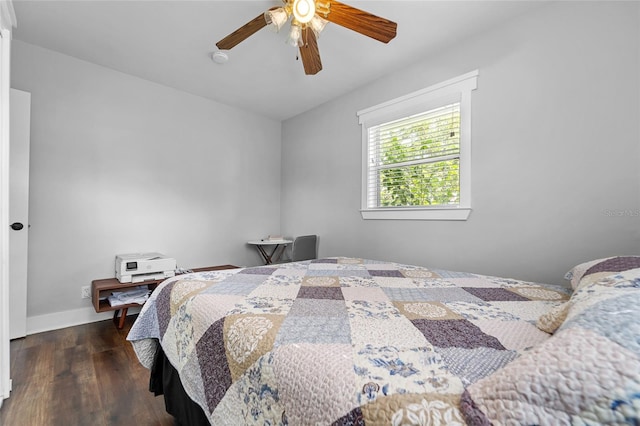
column 20, row 107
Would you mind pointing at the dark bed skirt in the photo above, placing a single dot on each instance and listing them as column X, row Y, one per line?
column 164, row 380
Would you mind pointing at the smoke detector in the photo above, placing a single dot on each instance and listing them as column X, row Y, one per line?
column 219, row 57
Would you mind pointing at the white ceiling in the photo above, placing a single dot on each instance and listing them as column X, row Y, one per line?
column 169, row 42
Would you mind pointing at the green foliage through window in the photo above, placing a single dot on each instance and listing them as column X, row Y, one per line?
column 414, row 161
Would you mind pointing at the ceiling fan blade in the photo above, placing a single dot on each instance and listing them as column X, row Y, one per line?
column 309, row 53
column 362, row 22
column 242, row 33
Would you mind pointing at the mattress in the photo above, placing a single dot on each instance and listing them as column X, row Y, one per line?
column 342, row 341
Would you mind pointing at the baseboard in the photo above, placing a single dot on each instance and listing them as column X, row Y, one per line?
column 58, row 320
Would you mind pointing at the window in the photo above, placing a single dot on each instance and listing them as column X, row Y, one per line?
column 416, row 154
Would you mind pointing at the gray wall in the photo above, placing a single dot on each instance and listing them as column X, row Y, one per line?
column 556, row 144
column 120, row 165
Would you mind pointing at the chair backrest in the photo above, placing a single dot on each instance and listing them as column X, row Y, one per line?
column 304, row 248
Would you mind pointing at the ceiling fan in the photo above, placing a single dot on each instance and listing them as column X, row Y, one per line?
column 308, row 19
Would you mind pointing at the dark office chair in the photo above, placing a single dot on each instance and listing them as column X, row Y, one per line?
column 304, row 248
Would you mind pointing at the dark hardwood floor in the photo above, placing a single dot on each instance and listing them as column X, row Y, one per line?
column 88, row 374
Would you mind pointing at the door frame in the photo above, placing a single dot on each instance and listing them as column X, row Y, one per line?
column 7, row 22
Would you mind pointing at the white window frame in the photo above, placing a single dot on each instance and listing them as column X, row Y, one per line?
column 453, row 90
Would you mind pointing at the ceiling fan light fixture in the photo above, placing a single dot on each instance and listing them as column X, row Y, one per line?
column 317, row 24
column 295, row 35
column 276, row 18
column 303, row 10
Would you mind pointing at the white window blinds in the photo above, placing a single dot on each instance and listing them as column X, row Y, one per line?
column 415, row 160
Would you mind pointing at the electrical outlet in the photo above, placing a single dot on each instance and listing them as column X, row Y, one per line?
column 85, row 292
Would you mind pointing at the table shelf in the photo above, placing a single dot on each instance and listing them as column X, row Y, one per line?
column 102, row 288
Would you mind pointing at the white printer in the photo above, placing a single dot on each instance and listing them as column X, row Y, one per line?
column 140, row 267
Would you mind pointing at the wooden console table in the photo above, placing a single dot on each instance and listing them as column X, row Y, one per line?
column 102, row 288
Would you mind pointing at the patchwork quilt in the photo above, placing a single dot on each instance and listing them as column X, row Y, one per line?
column 588, row 372
column 339, row 341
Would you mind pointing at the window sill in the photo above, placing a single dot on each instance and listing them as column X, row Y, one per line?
column 429, row 213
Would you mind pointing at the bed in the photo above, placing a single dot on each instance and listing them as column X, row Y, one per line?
column 345, row 341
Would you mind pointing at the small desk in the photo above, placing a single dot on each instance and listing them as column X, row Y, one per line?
column 100, row 289
column 275, row 254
